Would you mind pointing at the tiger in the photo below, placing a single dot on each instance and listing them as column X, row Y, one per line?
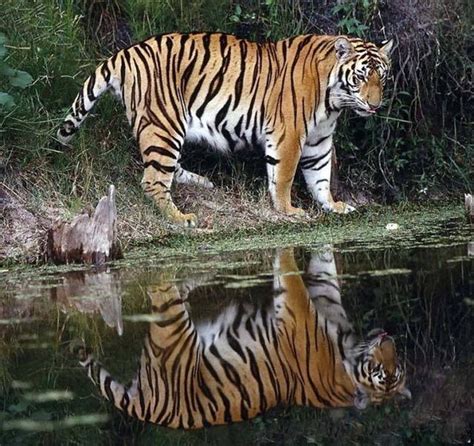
column 284, row 97
column 298, row 348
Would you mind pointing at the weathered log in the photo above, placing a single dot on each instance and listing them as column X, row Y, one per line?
column 88, row 238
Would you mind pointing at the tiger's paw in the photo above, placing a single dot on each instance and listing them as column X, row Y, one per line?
column 185, row 220
column 291, row 211
column 176, row 217
column 338, row 207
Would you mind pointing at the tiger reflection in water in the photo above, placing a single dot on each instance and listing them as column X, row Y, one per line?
column 300, row 350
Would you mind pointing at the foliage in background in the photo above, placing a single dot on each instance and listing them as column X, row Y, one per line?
column 420, row 144
column 10, row 76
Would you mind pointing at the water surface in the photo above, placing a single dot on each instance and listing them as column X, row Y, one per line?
column 418, row 289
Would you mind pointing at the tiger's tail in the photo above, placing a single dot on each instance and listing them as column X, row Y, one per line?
column 95, row 85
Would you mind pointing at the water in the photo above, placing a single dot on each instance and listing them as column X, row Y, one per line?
column 418, row 290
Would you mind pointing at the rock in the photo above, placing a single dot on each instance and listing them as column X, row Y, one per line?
column 392, row 226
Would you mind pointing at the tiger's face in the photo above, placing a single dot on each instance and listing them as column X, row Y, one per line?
column 361, row 75
column 380, row 375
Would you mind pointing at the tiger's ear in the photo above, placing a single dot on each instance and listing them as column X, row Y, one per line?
column 387, row 47
column 343, row 48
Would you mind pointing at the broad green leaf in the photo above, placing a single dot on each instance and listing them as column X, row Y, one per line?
column 6, row 100
column 3, row 51
column 5, row 70
column 3, row 39
column 21, row 79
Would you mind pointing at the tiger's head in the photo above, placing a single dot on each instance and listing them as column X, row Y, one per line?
column 377, row 371
column 360, row 75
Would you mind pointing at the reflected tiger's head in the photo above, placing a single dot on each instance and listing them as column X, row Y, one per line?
column 361, row 72
column 377, row 371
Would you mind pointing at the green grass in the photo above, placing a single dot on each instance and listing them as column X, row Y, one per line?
column 364, row 229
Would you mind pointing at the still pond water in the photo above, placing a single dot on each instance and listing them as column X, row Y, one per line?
column 149, row 321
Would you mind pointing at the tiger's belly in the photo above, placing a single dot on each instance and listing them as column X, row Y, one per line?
column 227, row 135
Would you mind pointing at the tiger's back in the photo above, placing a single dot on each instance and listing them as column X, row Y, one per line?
column 209, row 86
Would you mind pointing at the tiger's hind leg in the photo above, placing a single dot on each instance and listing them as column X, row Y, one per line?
column 160, row 153
column 183, row 176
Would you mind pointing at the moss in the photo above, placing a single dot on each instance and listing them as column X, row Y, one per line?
column 366, row 228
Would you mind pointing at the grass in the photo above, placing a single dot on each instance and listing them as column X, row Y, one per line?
column 147, row 239
column 365, row 229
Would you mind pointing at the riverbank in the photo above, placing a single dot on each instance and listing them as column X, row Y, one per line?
column 230, row 218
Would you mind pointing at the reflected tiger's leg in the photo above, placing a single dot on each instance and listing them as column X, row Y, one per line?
column 160, row 153
column 169, row 312
column 291, row 295
column 316, row 166
column 322, row 272
column 323, row 287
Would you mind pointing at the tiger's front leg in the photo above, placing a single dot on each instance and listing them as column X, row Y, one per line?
column 282, row 161
column 316, row 166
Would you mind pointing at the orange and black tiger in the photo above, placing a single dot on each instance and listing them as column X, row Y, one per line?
column 295, row 347
column 283, row 96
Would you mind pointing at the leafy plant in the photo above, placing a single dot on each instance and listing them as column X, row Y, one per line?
column 14, row 78
column 354, row 17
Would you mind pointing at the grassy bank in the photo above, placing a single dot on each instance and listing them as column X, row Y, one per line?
column 420, row 148
column 150, row 240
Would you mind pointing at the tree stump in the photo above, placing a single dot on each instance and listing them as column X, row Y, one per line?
column 88, row 238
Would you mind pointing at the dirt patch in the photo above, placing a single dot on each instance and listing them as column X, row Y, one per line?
column 225, row 208
column 21, row 231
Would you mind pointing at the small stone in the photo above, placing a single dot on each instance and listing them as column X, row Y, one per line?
column 469, row 204
column 392, row 226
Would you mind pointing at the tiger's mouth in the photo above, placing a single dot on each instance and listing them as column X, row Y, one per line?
column 365, row 112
